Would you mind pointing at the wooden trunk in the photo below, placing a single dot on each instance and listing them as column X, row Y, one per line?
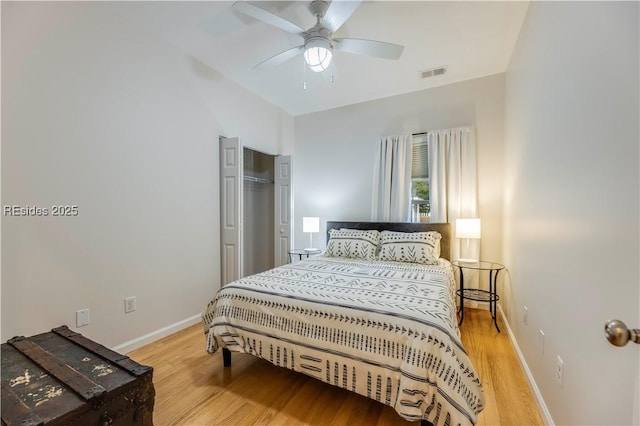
column 63, row 378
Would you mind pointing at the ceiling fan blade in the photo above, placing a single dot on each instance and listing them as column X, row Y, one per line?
column 379, row 49
column 266, row 16
column 337, row 14
column 281, row 57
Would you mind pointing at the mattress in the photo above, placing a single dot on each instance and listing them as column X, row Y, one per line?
column 385, row 330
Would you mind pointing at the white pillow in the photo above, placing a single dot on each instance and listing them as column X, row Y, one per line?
column 414, row 247
column 353, row 243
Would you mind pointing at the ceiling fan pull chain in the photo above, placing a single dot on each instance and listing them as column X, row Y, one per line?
column 304, row 76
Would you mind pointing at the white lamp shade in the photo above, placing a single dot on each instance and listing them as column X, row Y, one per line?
column 310, row 224
column 468, row 228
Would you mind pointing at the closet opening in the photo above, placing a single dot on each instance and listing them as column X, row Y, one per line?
column 258, row 211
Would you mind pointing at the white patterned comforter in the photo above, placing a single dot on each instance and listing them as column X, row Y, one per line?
column 385, row 330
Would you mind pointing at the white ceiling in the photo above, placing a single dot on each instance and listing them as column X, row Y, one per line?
column 472, row 39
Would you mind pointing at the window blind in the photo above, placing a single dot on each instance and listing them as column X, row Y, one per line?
column 420, row 159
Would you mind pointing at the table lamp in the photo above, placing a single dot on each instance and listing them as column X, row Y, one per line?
column 310, row 225
column 469, row 229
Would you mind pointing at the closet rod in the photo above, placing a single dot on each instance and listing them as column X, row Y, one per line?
column 257, row 179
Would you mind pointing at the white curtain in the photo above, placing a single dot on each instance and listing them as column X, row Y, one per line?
column 391, row 199
column 453, row 183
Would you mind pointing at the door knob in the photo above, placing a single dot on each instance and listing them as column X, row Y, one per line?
column 618, row 334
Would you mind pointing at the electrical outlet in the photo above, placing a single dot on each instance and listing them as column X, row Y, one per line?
column 526, row 315
column 559, row 370
column 129, row 304
column 82, row 317
column 541, row 342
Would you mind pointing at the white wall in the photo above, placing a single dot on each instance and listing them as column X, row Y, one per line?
column 99, row 114
column 572, row 203
column 335, row 150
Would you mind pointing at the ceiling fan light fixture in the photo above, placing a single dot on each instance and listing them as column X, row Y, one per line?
column 318, row 54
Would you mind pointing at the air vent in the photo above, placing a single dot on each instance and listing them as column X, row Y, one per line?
column 433, row 72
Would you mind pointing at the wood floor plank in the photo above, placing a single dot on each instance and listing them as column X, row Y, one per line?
column 193, row 388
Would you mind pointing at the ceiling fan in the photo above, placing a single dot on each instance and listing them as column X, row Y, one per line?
column 319, row 43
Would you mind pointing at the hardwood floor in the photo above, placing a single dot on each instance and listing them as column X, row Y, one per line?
column 509, row 399
column 193, row 388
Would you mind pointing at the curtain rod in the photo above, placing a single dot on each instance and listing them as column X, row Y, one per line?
column 466, row 128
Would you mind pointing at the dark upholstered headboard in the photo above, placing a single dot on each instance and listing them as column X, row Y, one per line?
column 443, row 228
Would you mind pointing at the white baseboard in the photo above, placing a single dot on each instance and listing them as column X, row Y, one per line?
column 548, row 420
column 139, row 342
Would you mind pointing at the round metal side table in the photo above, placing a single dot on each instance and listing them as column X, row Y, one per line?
column 302, row 252
column 477, row 294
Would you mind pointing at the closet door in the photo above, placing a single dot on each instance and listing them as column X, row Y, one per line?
column 282, row 214
column 230, row 209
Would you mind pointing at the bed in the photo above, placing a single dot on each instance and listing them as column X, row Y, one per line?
column 385, row 329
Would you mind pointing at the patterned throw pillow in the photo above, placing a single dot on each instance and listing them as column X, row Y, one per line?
column 353, row 243
column 414, row 247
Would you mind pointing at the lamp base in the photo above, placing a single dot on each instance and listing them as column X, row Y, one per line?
column 466, row 260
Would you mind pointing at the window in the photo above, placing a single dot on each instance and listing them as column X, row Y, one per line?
column 420, row 207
